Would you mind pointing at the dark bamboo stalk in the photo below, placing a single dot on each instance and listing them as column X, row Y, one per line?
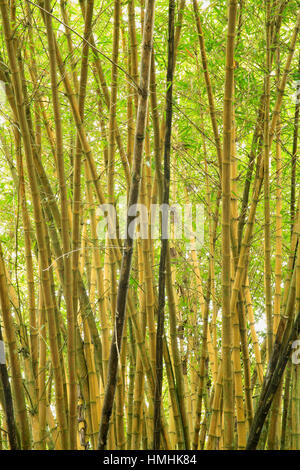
column 164, row 233
column 9, row 407
column 128, row 248
column 271, row 384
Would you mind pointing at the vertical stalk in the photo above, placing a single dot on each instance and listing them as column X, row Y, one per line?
column 226, row 213
column 128, row 248
column 164, row 231
column 65, row 226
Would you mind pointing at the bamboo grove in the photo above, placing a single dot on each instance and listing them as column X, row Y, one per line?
column 142, row 342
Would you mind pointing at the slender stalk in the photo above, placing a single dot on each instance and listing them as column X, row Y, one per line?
column 128, row 248
column 226, row 212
